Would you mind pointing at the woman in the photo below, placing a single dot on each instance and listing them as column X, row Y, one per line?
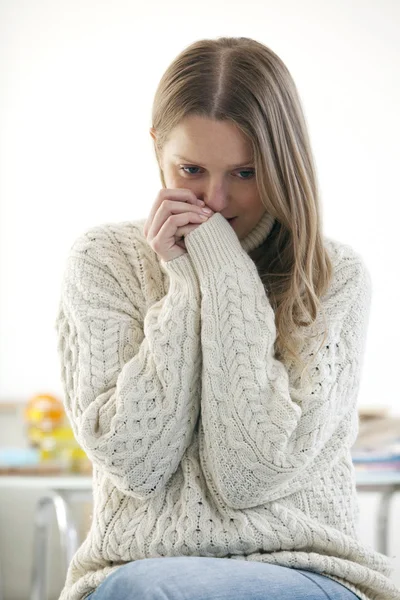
column 219, row 470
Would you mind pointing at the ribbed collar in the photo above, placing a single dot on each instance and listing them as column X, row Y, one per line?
column 259, row 233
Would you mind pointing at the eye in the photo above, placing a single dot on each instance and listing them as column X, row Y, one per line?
column 250, row 171
column 183, row 169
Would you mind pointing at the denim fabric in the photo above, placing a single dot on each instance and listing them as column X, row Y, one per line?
column 209, row 578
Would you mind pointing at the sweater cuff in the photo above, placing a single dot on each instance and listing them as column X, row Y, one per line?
column 213, row 245
column 181, row 269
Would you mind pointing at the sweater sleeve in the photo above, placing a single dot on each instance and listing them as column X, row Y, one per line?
column 261, row 435
column 130, row 384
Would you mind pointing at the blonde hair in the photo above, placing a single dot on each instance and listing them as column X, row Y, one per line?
column 241, row 80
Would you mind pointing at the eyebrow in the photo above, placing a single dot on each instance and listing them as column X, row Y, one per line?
column 229, row 166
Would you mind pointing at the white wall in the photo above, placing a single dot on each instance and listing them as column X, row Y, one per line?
column 77, row 80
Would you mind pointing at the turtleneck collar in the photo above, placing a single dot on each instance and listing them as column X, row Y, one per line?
column 259, row 233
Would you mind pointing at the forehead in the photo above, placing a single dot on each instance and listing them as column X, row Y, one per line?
column 208, row 141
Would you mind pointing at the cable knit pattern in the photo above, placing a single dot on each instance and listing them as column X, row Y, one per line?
column 202, row 442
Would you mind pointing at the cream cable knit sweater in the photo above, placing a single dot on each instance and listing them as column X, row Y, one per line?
column 202, row 442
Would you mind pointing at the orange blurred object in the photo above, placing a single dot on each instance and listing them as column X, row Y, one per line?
column 48, row 429
column 45, row 412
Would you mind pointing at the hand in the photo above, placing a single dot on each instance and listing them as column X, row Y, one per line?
column 174, row 214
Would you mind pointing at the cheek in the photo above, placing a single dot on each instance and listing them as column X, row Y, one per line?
column 250, row 203
column 174, row 180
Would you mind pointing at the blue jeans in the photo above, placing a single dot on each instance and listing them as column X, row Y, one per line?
column 209, row 578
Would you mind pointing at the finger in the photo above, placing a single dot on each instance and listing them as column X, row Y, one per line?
column 175, row 222
column 178, row 194
column 166, row 217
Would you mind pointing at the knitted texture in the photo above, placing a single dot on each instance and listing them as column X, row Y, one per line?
column 202, row 442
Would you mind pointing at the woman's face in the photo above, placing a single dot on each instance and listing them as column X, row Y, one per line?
column 214, row 160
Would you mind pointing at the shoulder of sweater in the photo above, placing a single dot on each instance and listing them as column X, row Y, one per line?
column 120, row 249
column 108, row 236
column 349, row 266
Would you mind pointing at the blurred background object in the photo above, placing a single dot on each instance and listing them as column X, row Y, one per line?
column 377, row 446
column 51, row 444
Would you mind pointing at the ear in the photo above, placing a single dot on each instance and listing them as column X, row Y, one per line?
column 154, row 136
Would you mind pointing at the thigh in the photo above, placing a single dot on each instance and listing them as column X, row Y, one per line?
column 208, row 578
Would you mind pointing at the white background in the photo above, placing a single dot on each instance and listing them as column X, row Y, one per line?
column 77, row 80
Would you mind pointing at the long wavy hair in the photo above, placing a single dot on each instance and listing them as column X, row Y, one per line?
column 241, row 80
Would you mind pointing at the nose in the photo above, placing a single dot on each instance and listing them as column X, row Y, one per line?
column 215, row 196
